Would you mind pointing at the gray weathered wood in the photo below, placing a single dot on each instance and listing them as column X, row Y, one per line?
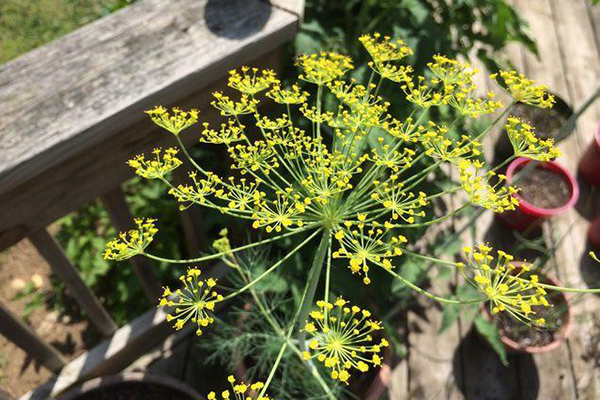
column 64, row 109
column 62, row 267
column 118, row 210
column 293, row 6
column 23, row 336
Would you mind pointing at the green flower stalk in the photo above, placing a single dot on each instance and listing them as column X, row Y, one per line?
column 351, row 179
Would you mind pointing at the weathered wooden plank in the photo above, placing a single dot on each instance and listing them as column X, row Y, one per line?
column 23, row 336
column 294, row 6
column 57, row 100
column 118, row 210
column 554, row 371
column 579, row 60
column 62, row 267
column 94, row 171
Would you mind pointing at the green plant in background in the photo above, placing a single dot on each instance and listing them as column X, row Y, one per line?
column 25, row 25
column 454, row 28
column 344, row 191
column 81, row 234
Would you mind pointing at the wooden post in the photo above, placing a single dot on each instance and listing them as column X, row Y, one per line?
column 21, row 335
column 116, row 205
column 190, row 220
column 64, row 269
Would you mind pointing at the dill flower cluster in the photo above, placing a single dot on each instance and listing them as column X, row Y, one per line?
column 509, row 287
column 352, row 174
column 526, row 144
column 240, row 391
column 195, row 302
column 133, row 242
column 344, row 338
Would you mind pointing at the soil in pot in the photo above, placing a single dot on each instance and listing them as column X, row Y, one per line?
column 134, row 391
column 547, row 122
column 536, row 336
column 544, row 188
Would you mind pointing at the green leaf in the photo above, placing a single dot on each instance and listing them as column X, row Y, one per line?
column 449, row 316
column 489, row 331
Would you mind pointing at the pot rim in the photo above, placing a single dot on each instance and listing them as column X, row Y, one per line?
column 562, row 334
column 554, row 166
column 112, row 380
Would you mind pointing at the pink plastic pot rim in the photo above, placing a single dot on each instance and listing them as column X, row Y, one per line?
column 544, row 212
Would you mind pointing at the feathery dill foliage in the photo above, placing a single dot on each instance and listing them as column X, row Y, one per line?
column 348, row 198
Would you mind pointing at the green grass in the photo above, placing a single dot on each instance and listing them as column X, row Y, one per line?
column 27, row 24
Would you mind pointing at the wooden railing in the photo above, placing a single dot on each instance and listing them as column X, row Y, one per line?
column 72, row 114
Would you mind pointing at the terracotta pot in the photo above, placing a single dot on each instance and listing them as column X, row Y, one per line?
column 526, row 215
column 560, row 337
column 594, row 233
column 179, row 389
column 589, row 165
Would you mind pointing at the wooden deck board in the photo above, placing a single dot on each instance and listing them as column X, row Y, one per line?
column 569, row 53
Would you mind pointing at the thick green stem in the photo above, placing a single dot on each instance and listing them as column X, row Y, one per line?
column 305, row 303
column 318, row 262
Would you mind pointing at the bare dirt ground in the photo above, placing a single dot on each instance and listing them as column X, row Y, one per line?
column 68, row 332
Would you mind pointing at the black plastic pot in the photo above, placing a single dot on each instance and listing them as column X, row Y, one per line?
column 128, row 385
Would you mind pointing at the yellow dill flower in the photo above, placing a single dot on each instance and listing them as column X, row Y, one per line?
column 402, row 204
column 452, row 72
column 440, row 145
column 280, row 213
column 230, row 132
column 254, row 157
column 175, row 122
column 132, row 242
column 228, row 107
column 526, row 144
column 323, row 67
column 509, row 288
column 418, row 91
column 382, row 49
column 241, row 391
column 482, row 192
column 405, row 131
column 157, row 168
column 388, row 157
column 287, row 96
column 252, row 80
column 273, row 124
column 385, row 55
column 312, row 114
column 194, row 303
column 366, row 245
column 524, row 90
column 198, row 193
column 241, row 196
column 343, row 339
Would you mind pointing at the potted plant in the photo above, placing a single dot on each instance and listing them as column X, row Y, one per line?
column 546, row 189
column 549, row 123
column 533, row 339
column 133, row 385
column 589, row 166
